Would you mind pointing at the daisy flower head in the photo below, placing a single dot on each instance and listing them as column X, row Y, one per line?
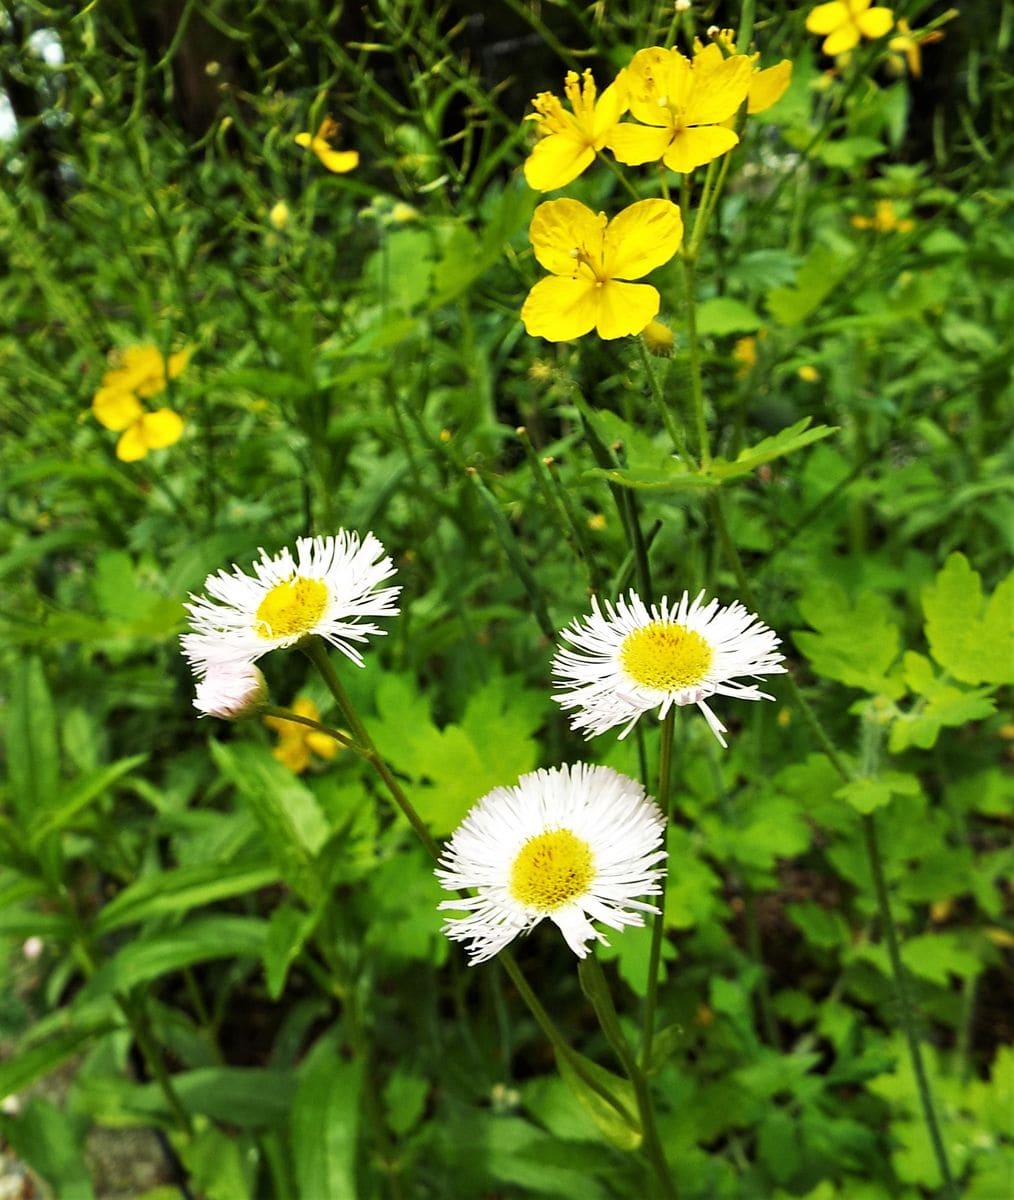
column 627, row 659
column 573, row 843
column 326, row 589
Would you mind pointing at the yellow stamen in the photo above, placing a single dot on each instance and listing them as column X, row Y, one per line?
column 551, row 870
column 291, row 607
column 665, row 656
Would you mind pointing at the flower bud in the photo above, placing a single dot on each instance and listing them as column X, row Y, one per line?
column 658, row 339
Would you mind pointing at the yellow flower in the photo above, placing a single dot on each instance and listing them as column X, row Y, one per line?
column 142, row 369
column 744, row 352
column 296, row 743
column 884, row 220
column 142, row 431
column 569, row 141
column 681, row 108
column 846, row 21
column 808, row 373
column 910, row 44
column 766, row 86
column 589, row 258
column 279, row 215
column 338, row 161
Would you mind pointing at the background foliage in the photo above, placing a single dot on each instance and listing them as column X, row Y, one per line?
column 267, row 943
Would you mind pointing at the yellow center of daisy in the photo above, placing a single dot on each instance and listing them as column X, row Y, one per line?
column 665, row 656
column 292, row 607
column 551, row 870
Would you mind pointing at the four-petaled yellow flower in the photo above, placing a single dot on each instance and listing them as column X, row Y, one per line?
column 139, row 371
column 884, row 220
column 846, row 21
column 682, row 108
column 338, row 161
column 590, row 258
column 569, row 141
column 296, row 743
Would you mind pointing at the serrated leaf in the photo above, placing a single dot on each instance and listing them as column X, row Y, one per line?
column 788, row 440
column 936, row 956
column 855, row 643
column 871, row 792
column 968, row 636
column 940, row 705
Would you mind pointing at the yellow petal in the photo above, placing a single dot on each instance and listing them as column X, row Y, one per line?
column 875, row 23
column 293, row 753
column 162, row 428
column 625, row 308
column 558, row 228
column 612, row 104
column 338, row 161
column 321, row 744
column 826, row 18
column 720, row 93
column 641, row 238
column 305, row 707
column 846, row 38
column 561, row 309
column 178, row 362
column 132, row 444
column 636, row 144
column 768, row 87
column 556, row 161
column 116, row 409
column 694, row 147
column 304, row 140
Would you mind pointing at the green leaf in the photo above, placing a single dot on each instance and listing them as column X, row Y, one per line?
column 848, row 153
column 778, row 1145
column 940, row 705
column 32, row 747
column 855, row 644
column 937, row 956
column 45, row 1139
column 80, row 796
column 617, row 1121
column 293, row 826
column 200, row 940
column 288, row 929
column 722, row 314
column 325, row 1124
column 181, row 889
column 787, row 441
column 820, row 273
column 24, row 1068
column 822, row 927
column 221, row 1166
column 970, row 637
column 871, row 792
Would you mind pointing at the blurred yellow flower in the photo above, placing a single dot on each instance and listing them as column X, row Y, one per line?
column 808, row 374
column 279, row 215
column 910, row 44
column 569, row 141
column 884, row 220
column 682, row 107
column 297, row 743
column 590, row 258
column 744, row 352
column 846, row 21
column 339, row 161
column 138, row 371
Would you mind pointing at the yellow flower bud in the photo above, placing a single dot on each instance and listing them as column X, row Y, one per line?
column 279, row 215
column 658, row 339
column 808, row 374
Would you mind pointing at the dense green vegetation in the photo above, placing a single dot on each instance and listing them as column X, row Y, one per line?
column 264, row 268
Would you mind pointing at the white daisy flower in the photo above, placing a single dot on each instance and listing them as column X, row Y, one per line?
column 326, row 589
column 230, row 690
column 627, row 660
column 572, row 844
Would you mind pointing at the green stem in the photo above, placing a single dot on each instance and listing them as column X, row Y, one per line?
column 597, row 990
column 285, row 714
column 673, row 429
column 696, row 384
column 314, row 649
column 658, row 925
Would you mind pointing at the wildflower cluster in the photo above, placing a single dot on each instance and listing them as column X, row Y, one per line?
column 845, row 23
column 137, row 373
column 684, row 113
